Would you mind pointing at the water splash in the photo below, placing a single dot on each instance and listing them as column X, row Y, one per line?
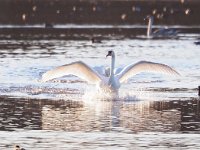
column 138, row 94
column 92, row 94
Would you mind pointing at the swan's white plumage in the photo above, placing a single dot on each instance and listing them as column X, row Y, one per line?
column 162, row 32
column 144, row 66
column 109, row 79
column 78, row 69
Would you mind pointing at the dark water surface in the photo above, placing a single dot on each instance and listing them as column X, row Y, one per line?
column 139, row 116
column 64, row 124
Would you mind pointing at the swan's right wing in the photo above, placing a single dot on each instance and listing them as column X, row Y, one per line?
column 144, row 66
column 78, row 69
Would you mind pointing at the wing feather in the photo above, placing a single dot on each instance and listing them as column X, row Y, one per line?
column 78, row 69
column 144, row 66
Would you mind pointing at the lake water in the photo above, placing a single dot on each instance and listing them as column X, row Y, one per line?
column 153, row 111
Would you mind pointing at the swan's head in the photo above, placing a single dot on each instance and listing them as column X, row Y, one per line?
column 110, row 53
column 149, row 17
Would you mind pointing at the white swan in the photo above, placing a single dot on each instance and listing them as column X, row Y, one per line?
column 112, row 81
column 163, row 32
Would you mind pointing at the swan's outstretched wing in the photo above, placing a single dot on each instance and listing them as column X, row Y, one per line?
column 78, row 69
column 144, row 66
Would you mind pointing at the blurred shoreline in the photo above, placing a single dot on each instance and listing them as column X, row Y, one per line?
column 50, row 12
column 84, row 33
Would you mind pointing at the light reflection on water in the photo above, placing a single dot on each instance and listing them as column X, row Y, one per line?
column 153, row 111
column 151, row 124
column 134, row 116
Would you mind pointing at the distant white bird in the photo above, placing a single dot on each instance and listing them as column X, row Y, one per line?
column 163, row 32
column 109, row 82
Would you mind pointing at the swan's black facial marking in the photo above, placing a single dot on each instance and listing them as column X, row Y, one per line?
column 109, row 53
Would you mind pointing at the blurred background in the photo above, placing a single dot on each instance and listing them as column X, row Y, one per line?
column 171, row 12
column 65, row 15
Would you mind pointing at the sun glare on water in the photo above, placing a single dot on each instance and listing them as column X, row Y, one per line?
column 137, row 94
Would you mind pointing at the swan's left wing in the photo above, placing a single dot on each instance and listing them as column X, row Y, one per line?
column 144, row 66
column 78, row 69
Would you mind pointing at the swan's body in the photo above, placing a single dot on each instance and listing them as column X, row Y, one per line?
column 109, row 82
column 163, row 32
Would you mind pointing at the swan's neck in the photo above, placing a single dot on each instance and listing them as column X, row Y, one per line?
column 112, row 67
column 149, row 28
